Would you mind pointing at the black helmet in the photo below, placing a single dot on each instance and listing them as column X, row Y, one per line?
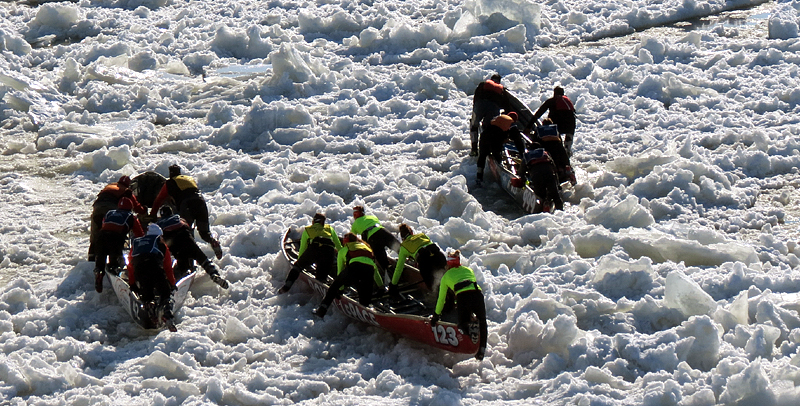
column 165, row 212
column 174, row 170
column 319, row 218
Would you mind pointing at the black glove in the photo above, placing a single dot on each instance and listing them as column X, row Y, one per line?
column 434, row 320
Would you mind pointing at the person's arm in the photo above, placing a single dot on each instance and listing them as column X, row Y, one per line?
column 131, row 270
column 168, row 264
column 163, row 194
column 442, row 297
column 137, row 227
column 544, row 107
column 341, row 260
column 303, row 243
column 137, row 207
column 401, row 263
column 376, row 274
column 337, row 243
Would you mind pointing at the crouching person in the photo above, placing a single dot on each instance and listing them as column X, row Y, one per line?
column 469, row 299
column 116, row 226
column 150, row 271
column 318, row 246
column 544, row 179
column 427, row 254
column 356, row 267
column 180, row 239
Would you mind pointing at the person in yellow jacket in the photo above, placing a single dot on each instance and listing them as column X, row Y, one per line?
column 318, row 246
column 428, row 255
column 469, row 299
column 370, row 230
column 356, row 267
column 190, row 203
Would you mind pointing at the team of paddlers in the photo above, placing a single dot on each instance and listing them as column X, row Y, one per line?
column 150, row 271
column 361, row 262
column 544, row 157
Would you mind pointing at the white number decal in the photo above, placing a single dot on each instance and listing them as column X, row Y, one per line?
column 445, row 335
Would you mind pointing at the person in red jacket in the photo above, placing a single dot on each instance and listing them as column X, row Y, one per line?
column 180, row 241
column 106, row 200
column 190, row 203
column 150, row 271
column 561, row 110
column 117, row 225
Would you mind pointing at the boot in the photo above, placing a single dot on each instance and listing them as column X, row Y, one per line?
column 213, row 273
column 321, row 310
column 286, row 287
column 170, row 324
column 481, row 352
column 98, row 281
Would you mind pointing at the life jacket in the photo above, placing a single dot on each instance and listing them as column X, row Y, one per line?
column 365, row 226
column 503, row 121
column 172, row 223
column 537, row 156
column 320, row 234
column 181, row 187
column 414, row 242
column 118, row 221
column 358, row 249
column 564, row 103
column 492, row 86
column 493, row 92
column 149, row 244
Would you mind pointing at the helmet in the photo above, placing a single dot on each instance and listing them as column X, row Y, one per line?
column 124, row 180
column 454, row 259
column 319, row 218
column 125, row 204
column 349, row 237
column 165, row 211
column 154, row 229
column 496, row 78
column 405, row 231
column 174, row 170
column 514, row 116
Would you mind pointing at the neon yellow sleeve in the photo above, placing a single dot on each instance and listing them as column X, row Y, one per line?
column 401, row 262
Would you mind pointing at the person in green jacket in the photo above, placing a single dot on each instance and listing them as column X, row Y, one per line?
column 318, row 246
column 373, row 233
column 469, row 299
column 428, row 255
column 356, row 267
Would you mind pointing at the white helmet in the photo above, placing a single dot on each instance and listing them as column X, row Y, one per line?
column 154, row 229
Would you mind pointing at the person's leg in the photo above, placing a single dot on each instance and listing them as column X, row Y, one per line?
column 198, row 211
column 429, row 260
column 325, row 261
column 99, row 210
column 364, row 282
column 343, row 279
column 483, row 152
column 568, row 143
column 379, row 241
column 471, row 303
column 551, row 181
column 303, row 262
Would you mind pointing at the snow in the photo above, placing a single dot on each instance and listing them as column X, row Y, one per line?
column 671, row 278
